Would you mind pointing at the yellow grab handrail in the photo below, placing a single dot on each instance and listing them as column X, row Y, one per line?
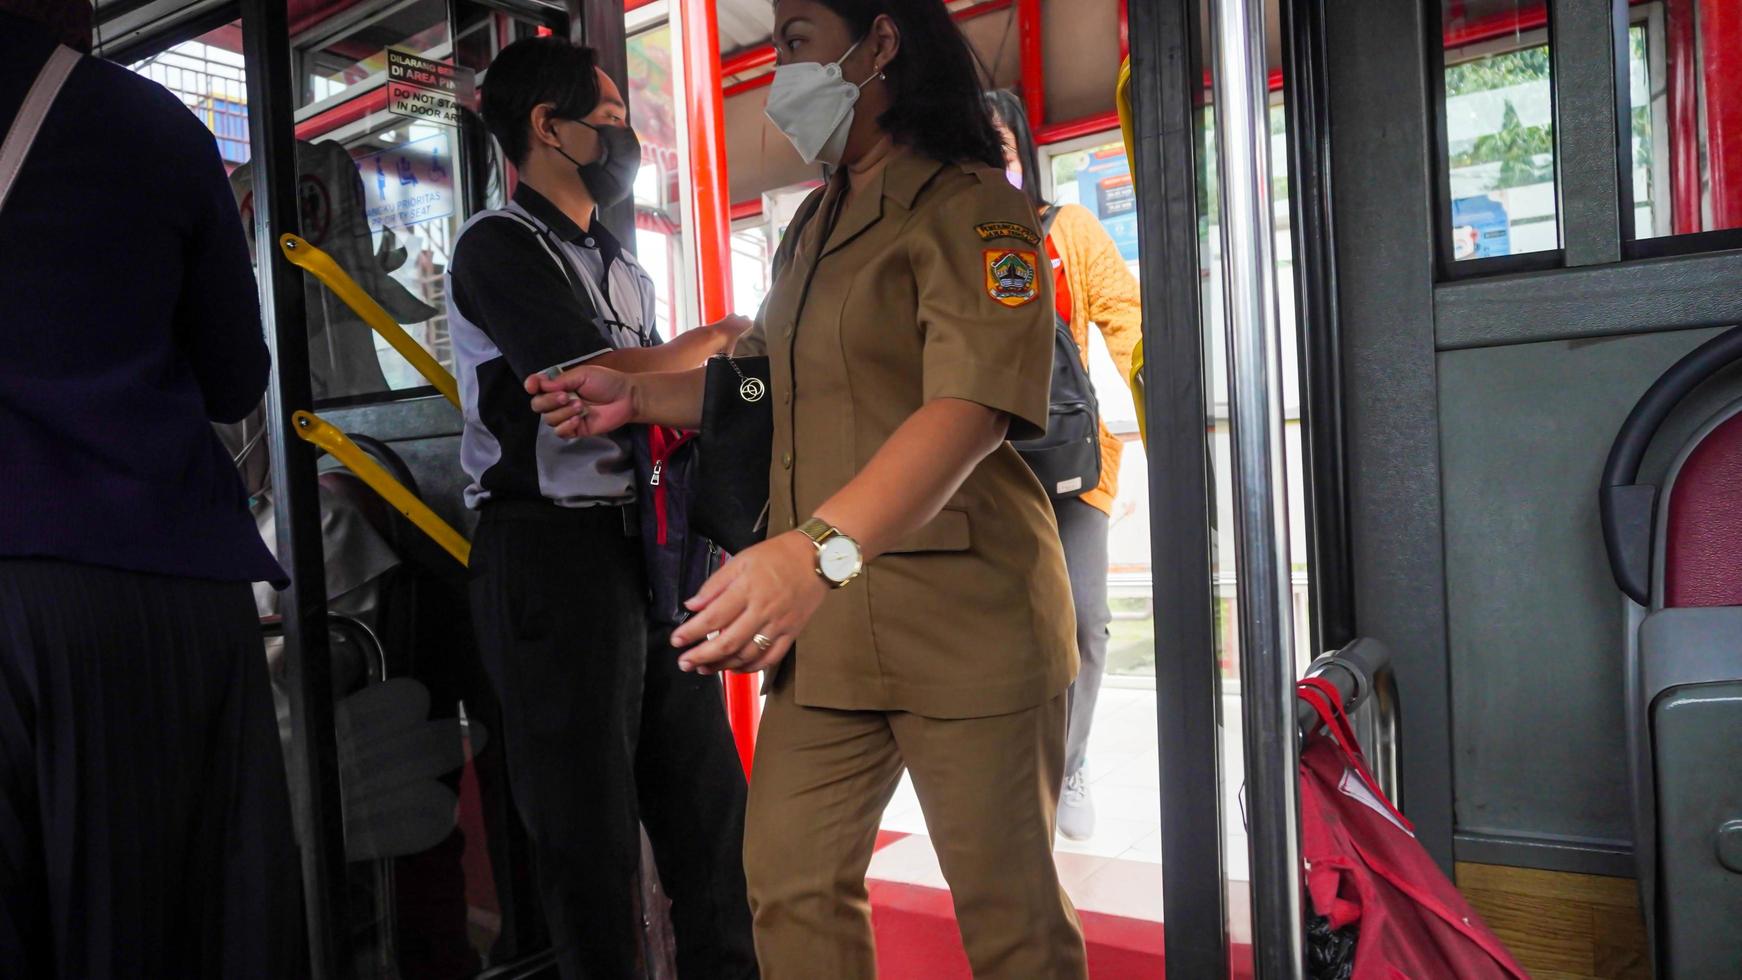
column 1122, row 100
column 321, row 265
column 318, row 431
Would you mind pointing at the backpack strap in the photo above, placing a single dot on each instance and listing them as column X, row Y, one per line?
column 28, row 123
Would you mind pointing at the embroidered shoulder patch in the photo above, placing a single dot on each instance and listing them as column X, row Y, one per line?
column 1010, row 275
column 994, row 230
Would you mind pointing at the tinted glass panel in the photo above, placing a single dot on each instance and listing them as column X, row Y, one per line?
column 1498, row 124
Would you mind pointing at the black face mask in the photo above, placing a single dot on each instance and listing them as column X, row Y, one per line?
column 612, row 178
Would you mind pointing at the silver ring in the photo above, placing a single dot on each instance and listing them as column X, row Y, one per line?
column 762, row 642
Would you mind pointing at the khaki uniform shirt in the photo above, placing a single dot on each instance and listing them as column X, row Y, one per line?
column 931, row 283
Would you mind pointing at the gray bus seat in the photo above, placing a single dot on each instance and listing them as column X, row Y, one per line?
column 1683, row 670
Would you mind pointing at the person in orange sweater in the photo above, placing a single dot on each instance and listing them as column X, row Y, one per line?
column 1093, row 286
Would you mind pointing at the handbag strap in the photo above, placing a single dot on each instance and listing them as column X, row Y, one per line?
column 28, row 123
column 1325, row 699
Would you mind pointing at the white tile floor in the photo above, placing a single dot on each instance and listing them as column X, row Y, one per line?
column 1117, row 871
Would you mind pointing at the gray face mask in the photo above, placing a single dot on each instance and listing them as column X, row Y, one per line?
column 813, row 106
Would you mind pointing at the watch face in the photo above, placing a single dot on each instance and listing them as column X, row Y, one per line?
column 839, row 560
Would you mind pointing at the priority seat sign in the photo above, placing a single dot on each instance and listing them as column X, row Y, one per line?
column 426, row 89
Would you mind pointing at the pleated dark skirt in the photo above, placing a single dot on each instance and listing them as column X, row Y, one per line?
column 144, row 822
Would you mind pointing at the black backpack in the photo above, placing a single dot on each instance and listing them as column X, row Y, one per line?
column 1067, row 459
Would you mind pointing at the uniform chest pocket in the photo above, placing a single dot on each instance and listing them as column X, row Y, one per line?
column 949, row 531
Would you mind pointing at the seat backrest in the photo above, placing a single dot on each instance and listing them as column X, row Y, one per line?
column 1702, row 519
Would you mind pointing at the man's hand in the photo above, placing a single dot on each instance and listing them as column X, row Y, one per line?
column 583, row 401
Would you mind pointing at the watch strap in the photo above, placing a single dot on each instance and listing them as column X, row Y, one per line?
column 818, row 530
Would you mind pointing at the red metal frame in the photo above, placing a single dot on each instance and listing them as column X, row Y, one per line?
column 711, row 223
column 1028, row 31
column 343, row 114
column 1721, row 44
column 1682, row 71
column 1124, row 31
column 1497, row 26
column 1087, row 126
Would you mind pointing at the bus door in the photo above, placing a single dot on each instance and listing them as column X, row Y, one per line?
column 417, row 865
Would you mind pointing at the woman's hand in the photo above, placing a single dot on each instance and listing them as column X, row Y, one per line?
column 772, row 590
column 583, row 401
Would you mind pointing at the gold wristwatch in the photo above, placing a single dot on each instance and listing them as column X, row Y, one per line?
column 839, row 560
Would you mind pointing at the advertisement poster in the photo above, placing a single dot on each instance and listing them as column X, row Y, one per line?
column 410, row 184
column 1104, row 187
column 651, row 90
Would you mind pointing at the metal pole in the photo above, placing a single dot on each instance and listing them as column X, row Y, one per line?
column 313, row 760
column 1166, row 80
column 1267, row 672
column 1304, row 60
column 710, row 226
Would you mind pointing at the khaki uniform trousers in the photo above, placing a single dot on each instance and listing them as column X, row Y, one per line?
column 989, row 788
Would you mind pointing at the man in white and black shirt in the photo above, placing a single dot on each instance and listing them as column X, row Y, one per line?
column 603, row 731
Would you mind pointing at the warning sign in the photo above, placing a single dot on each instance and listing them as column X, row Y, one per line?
column 422, row 88
column 428, row 105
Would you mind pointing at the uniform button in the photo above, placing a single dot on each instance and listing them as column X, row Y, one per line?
column 786, row 461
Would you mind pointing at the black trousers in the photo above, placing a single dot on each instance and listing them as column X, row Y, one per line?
column 604, row 734
column 144, row 822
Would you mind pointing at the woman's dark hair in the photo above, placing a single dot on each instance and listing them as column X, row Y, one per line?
column 529, row 73
column 937, row 105
column 1007, row 109
column 70, row 20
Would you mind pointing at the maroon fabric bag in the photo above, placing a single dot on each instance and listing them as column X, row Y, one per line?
column 1365, row 868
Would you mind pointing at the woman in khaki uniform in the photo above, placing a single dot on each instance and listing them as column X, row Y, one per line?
column 912, row 556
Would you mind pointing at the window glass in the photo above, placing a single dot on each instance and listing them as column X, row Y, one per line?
column 207, row 75
column 1499, row 128
column 1685, row 104
column 1099, row 179
column 412, row 213
column 659, row 233
column 336, row 57
column 436, row 882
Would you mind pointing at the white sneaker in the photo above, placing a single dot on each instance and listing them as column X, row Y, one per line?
column 1077, row 808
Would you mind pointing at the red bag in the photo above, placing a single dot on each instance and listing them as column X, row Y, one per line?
column 1365, row 868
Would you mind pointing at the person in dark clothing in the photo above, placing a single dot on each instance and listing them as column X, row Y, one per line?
column 144, row 826
column 602, row 731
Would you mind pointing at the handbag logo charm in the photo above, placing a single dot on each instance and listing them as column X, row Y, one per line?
column 750, row 389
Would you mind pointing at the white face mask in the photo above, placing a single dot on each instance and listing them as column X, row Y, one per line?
column 813, row 105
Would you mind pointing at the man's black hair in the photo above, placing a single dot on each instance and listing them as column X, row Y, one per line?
column 529, row 73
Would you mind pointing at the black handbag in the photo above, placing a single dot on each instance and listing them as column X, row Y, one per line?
column 1067, row 458
column 734, row 453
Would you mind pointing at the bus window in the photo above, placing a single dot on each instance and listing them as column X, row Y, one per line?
column 1498, row 129
column 1684, row 94
column 659, row 233
column 338, row 55
column 207, row 75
